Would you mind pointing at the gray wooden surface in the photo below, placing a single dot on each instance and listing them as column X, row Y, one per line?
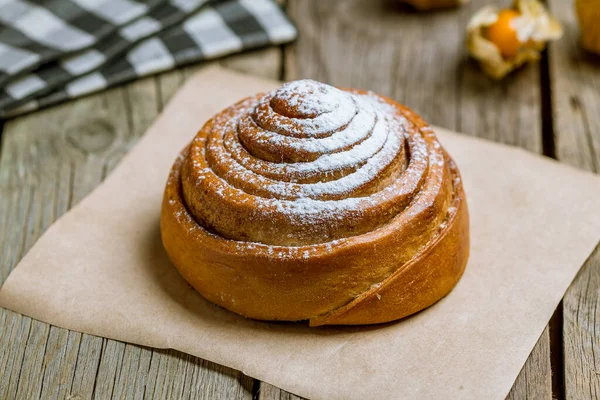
column 49, row 160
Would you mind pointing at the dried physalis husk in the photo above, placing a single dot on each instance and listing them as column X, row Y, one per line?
column 503, row 40
column 588, row 12
column 426, row 5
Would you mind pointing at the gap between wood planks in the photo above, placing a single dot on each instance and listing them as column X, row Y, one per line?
column 549, row 150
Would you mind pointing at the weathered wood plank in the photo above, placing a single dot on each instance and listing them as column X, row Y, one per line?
column 270, row 392
column 535, row 379
column 576, row 101
column 49, row 161
column 575, row 95
column 420, row 60
column 86, row 366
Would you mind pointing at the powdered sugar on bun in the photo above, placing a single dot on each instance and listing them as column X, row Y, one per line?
column 309, row 163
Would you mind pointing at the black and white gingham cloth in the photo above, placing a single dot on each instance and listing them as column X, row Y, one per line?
column 54, row 50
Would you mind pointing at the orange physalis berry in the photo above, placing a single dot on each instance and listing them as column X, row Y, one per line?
column 503, row 35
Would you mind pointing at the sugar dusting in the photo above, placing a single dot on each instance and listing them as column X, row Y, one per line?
column 360, row 133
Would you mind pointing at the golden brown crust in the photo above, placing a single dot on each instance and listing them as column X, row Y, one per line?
column 407, row 255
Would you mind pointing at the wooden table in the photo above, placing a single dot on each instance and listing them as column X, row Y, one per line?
column 49, row 160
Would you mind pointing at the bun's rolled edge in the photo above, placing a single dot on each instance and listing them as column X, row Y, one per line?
column 418, row 284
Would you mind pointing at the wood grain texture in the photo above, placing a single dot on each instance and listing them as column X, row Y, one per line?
column 49, row 161
column 535, row 379
column 575, row 95
column 576, row 101
column 270, row 392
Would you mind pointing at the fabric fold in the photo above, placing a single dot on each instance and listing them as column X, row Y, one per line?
column 157, row 36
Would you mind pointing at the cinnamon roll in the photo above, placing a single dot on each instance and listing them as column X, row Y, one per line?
column 337, row 206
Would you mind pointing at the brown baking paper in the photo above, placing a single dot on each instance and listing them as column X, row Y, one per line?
column 101, row 269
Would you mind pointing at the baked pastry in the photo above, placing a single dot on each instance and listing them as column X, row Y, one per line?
column 588, row 13
column 336, row 206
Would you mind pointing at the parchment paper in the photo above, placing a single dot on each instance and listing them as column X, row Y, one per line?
column 101, row 269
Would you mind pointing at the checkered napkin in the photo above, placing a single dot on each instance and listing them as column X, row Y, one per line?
column 55, row 50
